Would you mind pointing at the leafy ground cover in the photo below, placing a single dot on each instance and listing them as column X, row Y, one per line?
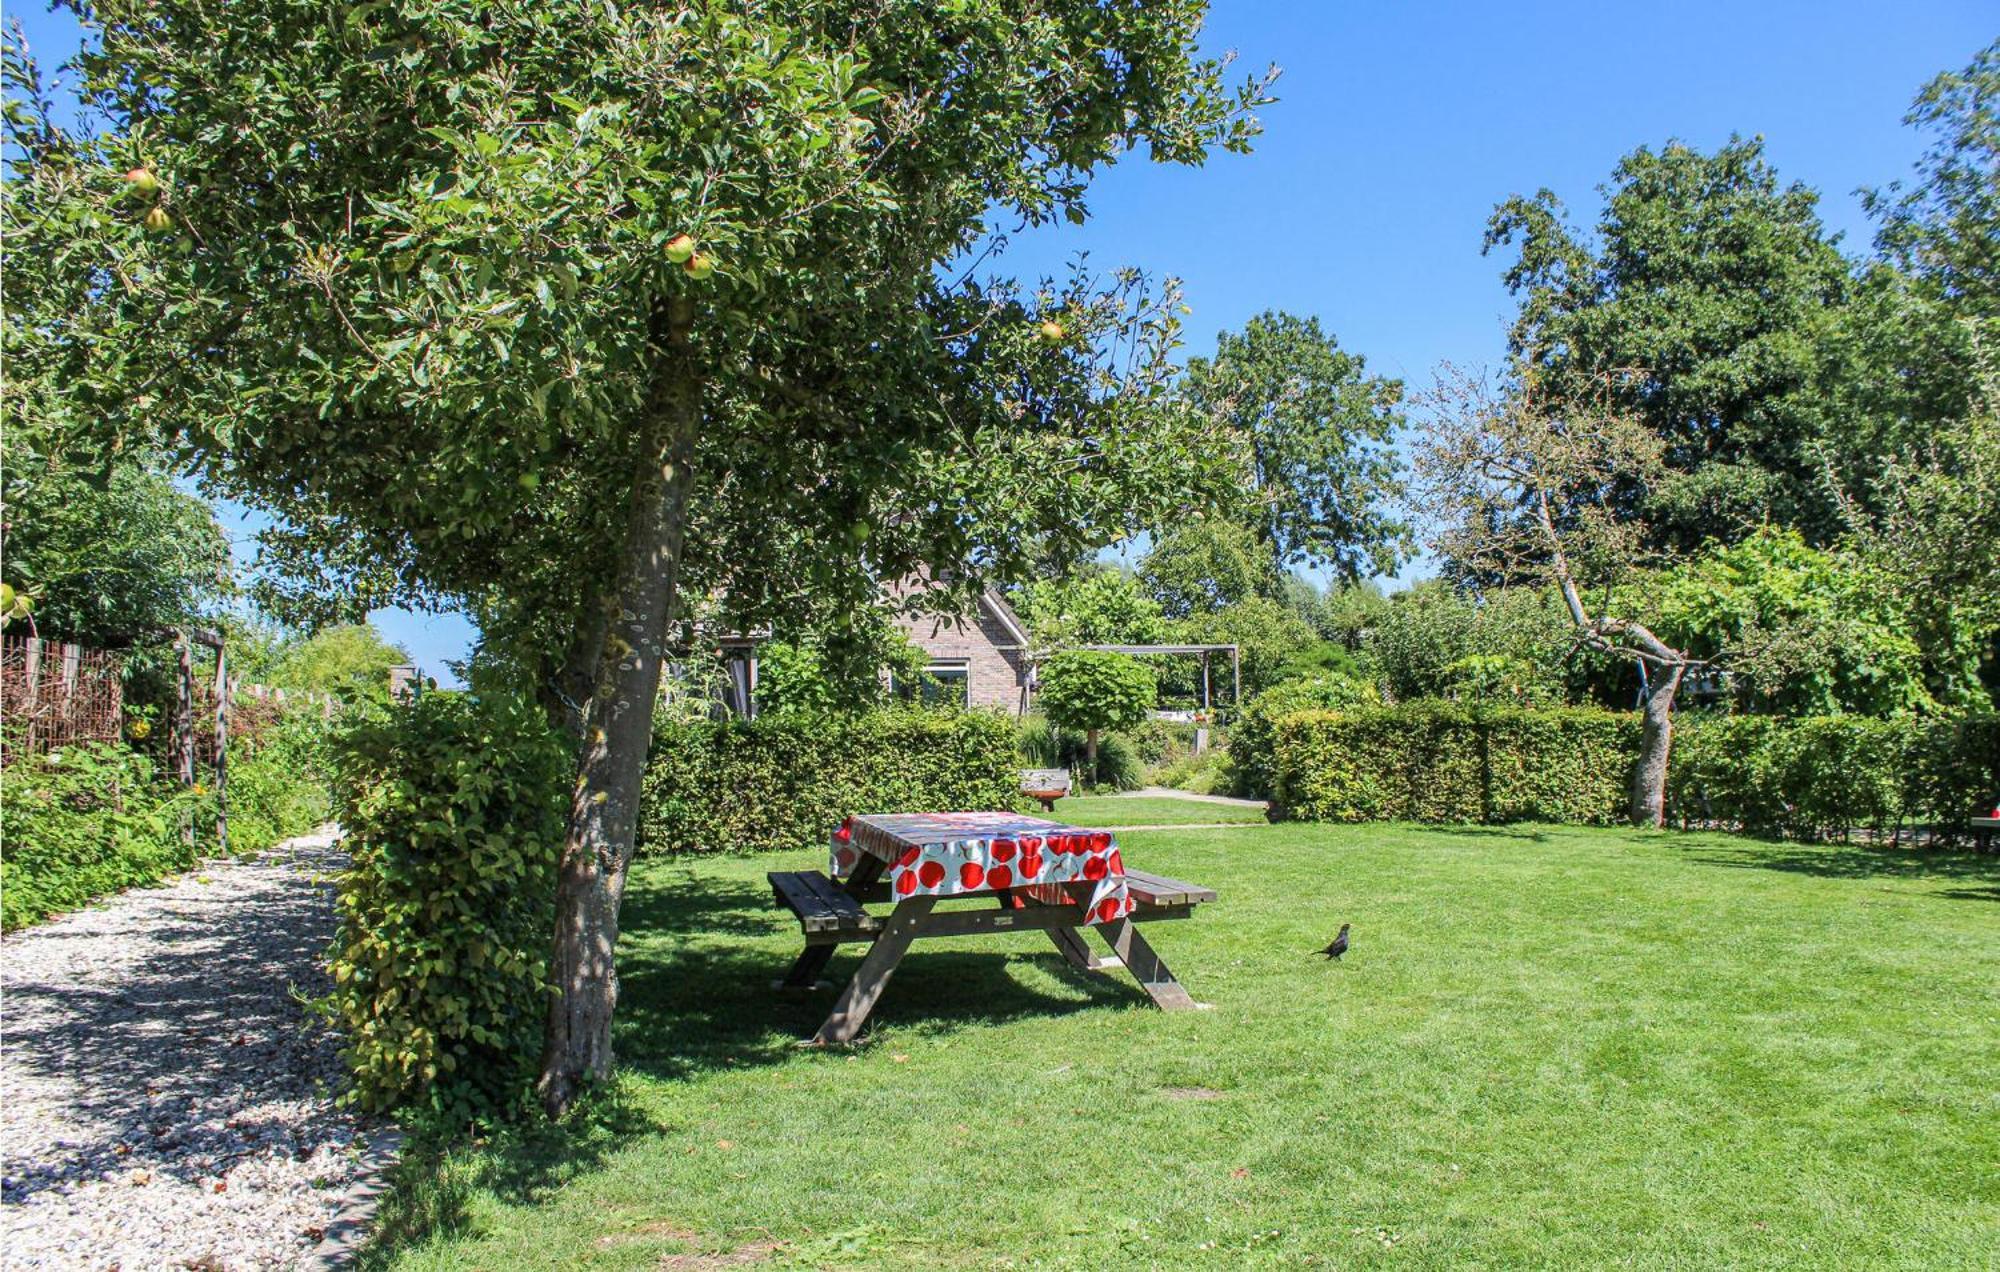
column 1553, row 1047
column 1150, row 810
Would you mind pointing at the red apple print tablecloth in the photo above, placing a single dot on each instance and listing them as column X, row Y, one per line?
column 959, row 854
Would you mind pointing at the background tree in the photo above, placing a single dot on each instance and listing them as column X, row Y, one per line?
column 1206, row 565
column 1094, row 690
column 1519, row 484
column 350, row 661
column 1095, row 604
column 1706, row 307
column 114, row 556
column 1929, row 537
column 515, row 303
column 1434, row 640
column 1318, row 428
column 1945, row 228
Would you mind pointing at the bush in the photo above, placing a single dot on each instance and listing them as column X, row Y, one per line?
column 84, row 821
column 1121, row 763
column 1827, row 776
column 454, row 807
column 96, row 818
column 1812, row 778
column 280, row 783
column 1206, row 774
column 1255, row 734
column 782, row 782
column 1440, row 762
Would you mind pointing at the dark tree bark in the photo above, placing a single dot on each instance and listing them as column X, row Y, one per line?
column 617, row 732
column 1646, row 804
column 1646, row 797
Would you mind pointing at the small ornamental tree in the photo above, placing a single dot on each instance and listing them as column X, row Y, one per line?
column 1094, row 690
column 569, row 311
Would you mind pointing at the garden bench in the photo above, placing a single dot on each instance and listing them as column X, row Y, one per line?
column 1045, row 876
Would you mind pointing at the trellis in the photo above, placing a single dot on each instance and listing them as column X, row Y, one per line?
column 54, row 694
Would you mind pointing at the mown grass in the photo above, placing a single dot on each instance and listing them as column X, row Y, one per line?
column 1150, row 810
column 1549, row 1047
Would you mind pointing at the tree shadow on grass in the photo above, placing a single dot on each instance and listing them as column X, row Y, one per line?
column 689, row 1005
column 1856, row 861
column 1525, row 833
column 696, row 967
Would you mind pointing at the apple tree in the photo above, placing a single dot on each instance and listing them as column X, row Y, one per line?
column 585, row 315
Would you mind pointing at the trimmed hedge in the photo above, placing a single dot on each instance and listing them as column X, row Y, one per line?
column 454, row 807
column 1813, row 778
column 1824, row 777
column 783, row 781
column 1441, row 762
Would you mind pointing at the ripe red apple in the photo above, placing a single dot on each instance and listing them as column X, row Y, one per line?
column 143, row 180
column 700, row 265
column 679, row 248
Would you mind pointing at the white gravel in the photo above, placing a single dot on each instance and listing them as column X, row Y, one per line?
column 165, row 1099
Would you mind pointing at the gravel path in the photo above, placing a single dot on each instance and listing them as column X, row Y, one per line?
column 163, row 1102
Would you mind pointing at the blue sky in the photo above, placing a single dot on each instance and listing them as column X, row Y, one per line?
column 1399, row 127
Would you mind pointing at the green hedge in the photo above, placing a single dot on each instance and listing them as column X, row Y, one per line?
column 95, row 818
column 1814, row 778
column 1825, row 777
column 781, row 782
column 454, row 807
column 1440, row 762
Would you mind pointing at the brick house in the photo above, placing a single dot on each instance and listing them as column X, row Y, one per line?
column 981, row 658
column 978, row 659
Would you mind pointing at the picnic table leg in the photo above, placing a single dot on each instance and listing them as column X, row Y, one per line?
column 1122, row 935
column 805, row 972
column 844, row 1023
column 1066, row 940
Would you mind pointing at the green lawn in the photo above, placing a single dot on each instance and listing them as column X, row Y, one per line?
column 1149, row 810
column 1549, row 1048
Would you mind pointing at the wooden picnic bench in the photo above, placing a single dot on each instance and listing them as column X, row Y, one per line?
column 832, row 912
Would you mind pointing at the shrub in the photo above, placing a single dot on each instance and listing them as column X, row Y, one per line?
column 83, row 821
column 454, row 811
column 96, row 818
column 1827, row 776
column 1812, row 778
column 1121, row 763
column 1440, row 762
column 1206, row 774
column 280, row 782
column 782, row 782
column 1252, row 739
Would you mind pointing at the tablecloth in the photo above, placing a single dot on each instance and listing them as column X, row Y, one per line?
column 961, row 854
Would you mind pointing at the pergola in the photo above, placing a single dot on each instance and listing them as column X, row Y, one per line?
column 1203, row 652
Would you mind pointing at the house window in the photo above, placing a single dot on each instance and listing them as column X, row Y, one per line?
column 947, row 683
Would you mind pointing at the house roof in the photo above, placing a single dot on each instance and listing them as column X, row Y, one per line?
column 997, row 606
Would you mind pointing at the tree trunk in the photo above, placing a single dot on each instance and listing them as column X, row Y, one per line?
column 1647, row 803
column 618, row 727
column 1090, row 752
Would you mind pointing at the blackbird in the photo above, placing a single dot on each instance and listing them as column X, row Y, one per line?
column 1339, row 945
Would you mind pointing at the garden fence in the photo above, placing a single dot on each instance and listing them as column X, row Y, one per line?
column 55, row 694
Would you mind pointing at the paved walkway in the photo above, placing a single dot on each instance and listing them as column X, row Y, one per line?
column 1168, row 792
column 165, row 1101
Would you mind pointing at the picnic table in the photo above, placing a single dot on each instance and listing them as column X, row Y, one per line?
column 1982, row 832
column 1045, row 876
